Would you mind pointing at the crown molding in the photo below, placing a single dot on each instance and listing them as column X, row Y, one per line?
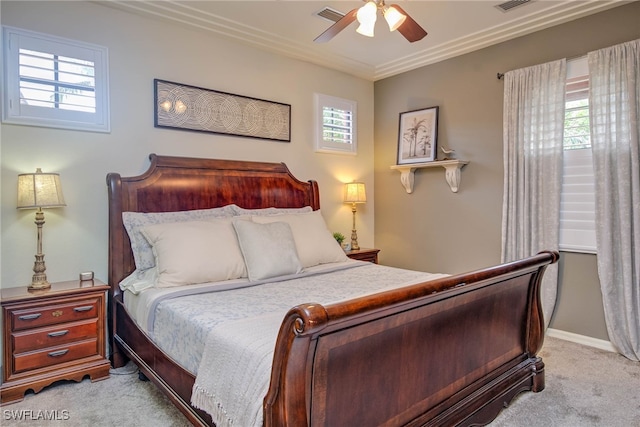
column 186, row 15
column 180, row 13
column 561, row 13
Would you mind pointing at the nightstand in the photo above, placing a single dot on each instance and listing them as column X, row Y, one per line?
column 53, row 334
column 364, row 254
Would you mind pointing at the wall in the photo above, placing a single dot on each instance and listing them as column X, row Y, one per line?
column 434, row 229
column 141, row 49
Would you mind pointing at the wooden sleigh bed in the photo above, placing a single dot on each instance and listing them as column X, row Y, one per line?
column 453, row 351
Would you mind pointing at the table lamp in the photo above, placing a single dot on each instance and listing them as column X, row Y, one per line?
column 37, row 191
column 354, row 193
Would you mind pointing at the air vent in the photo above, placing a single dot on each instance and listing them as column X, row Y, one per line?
column 330, row 14
column 509, row 5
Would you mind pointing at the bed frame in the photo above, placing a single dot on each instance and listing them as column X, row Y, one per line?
column 453, row 351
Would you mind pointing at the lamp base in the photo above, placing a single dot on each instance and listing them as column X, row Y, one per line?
column 354, row 240
column 354, row 233
column 39, row 285
column 39, row 279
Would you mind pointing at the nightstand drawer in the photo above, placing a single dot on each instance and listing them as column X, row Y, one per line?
column 50, row 337
column 54, row 355
column 53, row 314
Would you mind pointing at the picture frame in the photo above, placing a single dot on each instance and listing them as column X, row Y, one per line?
column 418, row 136
column 192, row 108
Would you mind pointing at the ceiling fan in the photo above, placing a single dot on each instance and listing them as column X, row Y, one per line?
column 366, row 15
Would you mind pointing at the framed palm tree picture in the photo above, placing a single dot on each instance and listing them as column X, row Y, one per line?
column 418, row 136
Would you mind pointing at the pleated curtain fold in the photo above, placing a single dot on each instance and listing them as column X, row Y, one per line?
column 534, row 104
column 614, row 106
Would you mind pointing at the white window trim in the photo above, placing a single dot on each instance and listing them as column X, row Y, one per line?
column 15, row 113
column 323, row 146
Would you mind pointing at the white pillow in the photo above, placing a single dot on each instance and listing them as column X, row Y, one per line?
column 269, row 211
column 195, row 252
column 314, row 242
column 135, row 221
column 269, row 249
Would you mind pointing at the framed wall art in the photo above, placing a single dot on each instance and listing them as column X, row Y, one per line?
column 185, row 107
column 417, row 136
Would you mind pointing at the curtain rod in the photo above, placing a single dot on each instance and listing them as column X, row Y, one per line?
column 571, row 58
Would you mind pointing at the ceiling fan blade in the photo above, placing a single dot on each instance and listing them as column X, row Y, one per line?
column 340, row 25
column 410, row 29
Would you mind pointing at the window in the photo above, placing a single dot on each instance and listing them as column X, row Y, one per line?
column 577, row 200
column 335, row 124
column 54, row 82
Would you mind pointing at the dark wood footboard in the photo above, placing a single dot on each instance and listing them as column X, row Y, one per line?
column 453, row 351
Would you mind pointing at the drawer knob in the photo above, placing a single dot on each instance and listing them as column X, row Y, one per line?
column 58, row 333
column 83, row 308
column 58, row 353
column 30, row 316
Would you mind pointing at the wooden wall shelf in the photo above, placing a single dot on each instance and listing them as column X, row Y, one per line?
column 452, row 172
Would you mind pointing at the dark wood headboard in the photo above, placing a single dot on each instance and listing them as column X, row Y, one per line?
column 182, row 183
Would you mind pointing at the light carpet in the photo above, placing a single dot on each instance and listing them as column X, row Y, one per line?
column 585, row 387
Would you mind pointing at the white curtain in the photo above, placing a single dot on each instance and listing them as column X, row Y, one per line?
column 614, row 75
column 533, row 130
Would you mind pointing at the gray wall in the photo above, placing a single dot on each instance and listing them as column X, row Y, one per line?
column 433, row 229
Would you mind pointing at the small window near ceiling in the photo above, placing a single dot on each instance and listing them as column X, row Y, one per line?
column 54, row 82
column 577, row 202
column 335, row 124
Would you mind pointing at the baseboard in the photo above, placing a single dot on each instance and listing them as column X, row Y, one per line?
column 581, row 339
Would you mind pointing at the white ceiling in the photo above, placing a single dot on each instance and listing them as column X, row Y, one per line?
column 288, row 27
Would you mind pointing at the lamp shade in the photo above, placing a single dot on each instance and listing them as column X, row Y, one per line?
column 365, row 30
column 367, row 16
column 367, row 13
column 354, row 192
column 394, row 18
column 39, row 190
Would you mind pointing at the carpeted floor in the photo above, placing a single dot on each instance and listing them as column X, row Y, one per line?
column 584, row 387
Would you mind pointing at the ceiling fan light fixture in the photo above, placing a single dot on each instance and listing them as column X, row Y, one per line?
column 394, row 18
column 366, row 29
column 367, row 14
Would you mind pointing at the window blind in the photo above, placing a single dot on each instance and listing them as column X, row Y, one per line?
column 335, row 124
column 53, row 81
column 577, row 200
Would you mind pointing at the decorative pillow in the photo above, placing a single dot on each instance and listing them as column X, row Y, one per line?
column 195, row 252
column 269, row 211
column 314, row 242
column 135, row 221
column 269, row 249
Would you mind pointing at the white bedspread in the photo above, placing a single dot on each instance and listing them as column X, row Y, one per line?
column 234, row 376
column 234, row 371
column 225, row 332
